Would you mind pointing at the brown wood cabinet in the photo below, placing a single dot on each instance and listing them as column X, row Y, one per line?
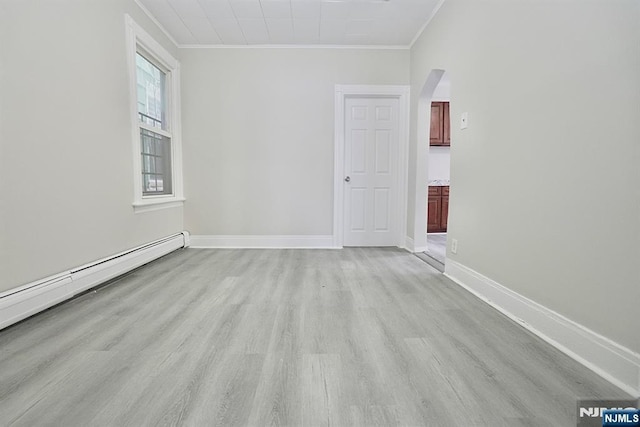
column 434, row 209
column 446, row 124
column 436, row 136
column 437, row 209
column 440, row 134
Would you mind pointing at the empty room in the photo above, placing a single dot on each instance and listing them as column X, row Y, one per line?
column 319, row 212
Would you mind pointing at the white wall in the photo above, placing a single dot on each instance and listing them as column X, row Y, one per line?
column 562, row 230
column 443, row 90
column 66, row 174
column 258, row 127
column 440, row 157
column 439, row 163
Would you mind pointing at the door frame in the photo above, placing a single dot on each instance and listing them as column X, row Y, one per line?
column 402, row 93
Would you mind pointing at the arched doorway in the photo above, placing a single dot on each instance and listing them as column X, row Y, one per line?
column 432, row 90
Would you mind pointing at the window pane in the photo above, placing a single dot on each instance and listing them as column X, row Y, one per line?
column 151, row 93
column 148, row 144
column 146, row 183
column 147, row 162
column 156, row 163
column 152, row 184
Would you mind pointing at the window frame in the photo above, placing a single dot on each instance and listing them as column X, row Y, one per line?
column 139, row 41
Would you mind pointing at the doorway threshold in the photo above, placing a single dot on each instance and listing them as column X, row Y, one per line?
column 431, row 261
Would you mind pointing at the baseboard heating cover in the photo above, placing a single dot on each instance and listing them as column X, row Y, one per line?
column 24, row 301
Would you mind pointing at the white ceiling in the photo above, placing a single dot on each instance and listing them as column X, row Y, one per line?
column 292, row 22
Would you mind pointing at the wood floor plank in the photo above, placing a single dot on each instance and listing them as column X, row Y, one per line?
column 374, row 415
column 360, row 336
column 278, row 399
column 323, row 401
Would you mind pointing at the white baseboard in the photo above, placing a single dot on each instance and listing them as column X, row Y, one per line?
column 263, row 242
column 24, row 301
column 410, row 246
column 612, row 361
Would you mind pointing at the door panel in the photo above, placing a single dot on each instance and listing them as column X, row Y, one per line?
column 371, row 156
column 358, row 197
column 383, row 112
column 382, row 209
column 359, row 112
column 359, row 151
column 383, row 152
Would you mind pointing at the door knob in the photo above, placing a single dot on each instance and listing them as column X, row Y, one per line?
column 347, row 179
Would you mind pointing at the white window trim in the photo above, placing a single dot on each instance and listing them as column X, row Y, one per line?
column 137, row 37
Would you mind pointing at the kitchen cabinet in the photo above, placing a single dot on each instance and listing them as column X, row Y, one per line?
column 444, row 213
column 434, row 210
column 436, row 136
column 446, row 125
column 437, row 209
column 440, row 134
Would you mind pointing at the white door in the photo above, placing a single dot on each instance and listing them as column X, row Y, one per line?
column 371, row 169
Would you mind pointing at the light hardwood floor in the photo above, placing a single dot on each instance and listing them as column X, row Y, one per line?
column 285, row 337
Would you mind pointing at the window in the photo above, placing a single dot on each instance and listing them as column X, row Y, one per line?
column 156, row 138
column 155, row 147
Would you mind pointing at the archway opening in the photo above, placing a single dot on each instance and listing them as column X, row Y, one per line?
column 432, row 168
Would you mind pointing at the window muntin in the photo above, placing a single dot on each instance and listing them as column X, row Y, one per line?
column 156, row 163
column 155, row 140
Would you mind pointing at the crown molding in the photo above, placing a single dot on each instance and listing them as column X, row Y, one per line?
column 434, row 12
column 293, row 46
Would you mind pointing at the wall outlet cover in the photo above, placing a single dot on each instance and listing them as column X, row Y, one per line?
column 464, row 120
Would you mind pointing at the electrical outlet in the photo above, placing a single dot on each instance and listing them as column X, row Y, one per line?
column 454, row 246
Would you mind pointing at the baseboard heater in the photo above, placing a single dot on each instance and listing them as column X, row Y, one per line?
column 20, row 303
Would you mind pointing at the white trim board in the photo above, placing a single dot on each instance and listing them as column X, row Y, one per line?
column 610, row 360
column 24, row 301
column 262, row 242
column 410, row 246
column 294, row 46
column 138, row 40
column 342, row 92
column 156, row 22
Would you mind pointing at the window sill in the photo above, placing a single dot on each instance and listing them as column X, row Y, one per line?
column 149, row 205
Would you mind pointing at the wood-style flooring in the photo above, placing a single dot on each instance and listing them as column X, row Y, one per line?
column 360, row 336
